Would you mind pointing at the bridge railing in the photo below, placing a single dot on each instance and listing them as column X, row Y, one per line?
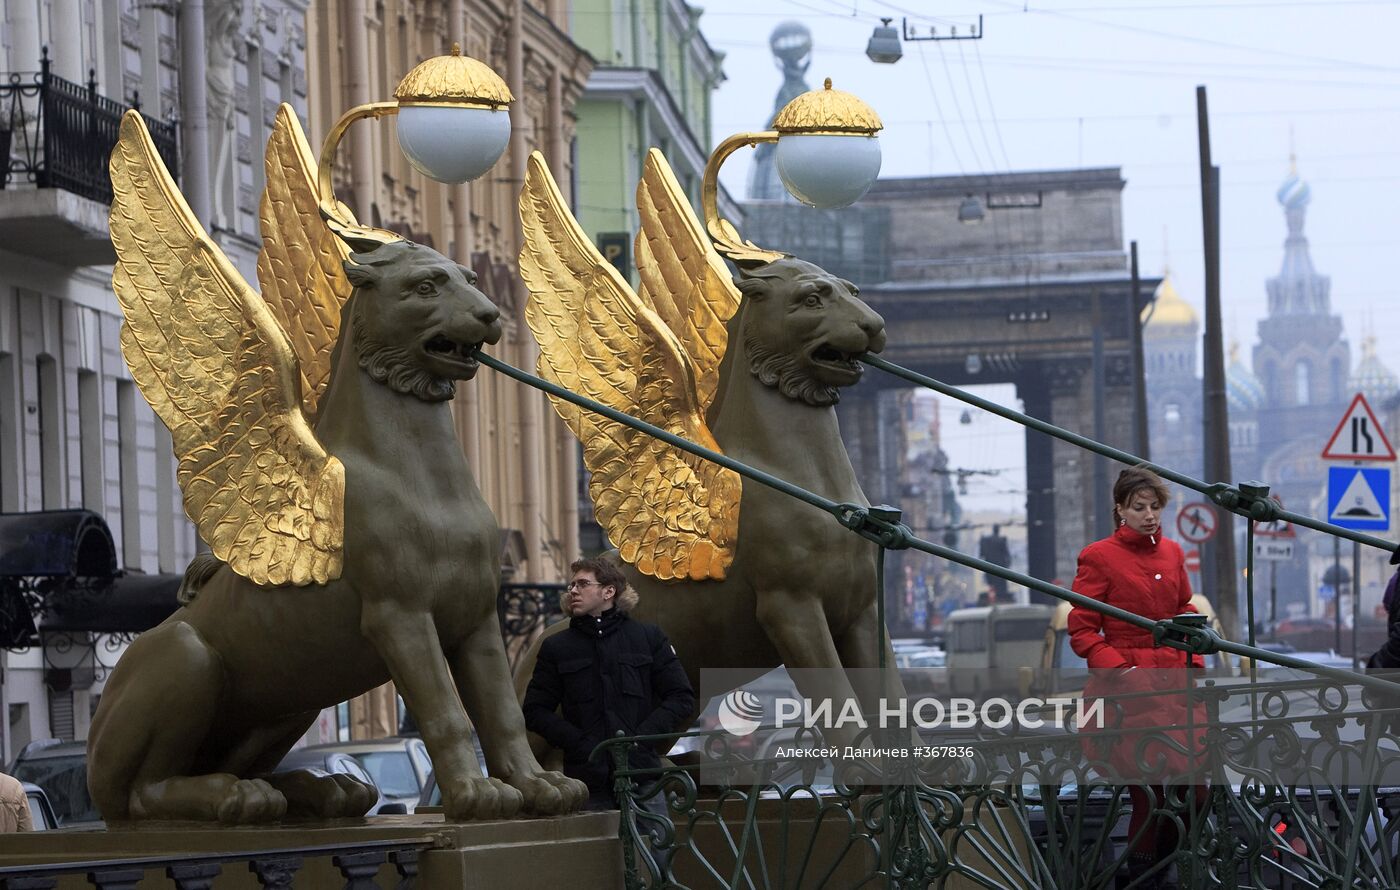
column 912, row 830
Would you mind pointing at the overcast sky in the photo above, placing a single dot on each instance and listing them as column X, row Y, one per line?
column 1057, row 84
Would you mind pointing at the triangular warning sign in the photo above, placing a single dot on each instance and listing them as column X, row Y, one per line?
column 1358, row 501
column 1359, row 435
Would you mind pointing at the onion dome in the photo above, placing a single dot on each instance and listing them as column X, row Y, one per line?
column 1169, row 313
column 1243, row 390
column 827, row 111
column 455, row 79
column 1294, row 192
column 1372, row 377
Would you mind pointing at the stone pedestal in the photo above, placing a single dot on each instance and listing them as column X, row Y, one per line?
column 581, row 852
column 573, row 851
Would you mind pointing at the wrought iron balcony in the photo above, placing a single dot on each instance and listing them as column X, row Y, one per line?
column 58, row 134
column 55, row 139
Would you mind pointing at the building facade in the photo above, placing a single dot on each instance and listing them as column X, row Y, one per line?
column 75, row 433
column 652, row 88
column 1038, row 294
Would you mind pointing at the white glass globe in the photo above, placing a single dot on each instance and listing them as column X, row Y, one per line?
column 452, row 144
column 828, row 171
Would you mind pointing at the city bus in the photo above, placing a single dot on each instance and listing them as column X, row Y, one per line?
column 989, row 645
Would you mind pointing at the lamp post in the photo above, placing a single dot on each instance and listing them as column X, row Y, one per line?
column 828, row 155
column 454, row 124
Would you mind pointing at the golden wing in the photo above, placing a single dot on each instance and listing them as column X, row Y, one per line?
column 682, row 277
column 671, row 514
column 212, row 361
column 299, row 268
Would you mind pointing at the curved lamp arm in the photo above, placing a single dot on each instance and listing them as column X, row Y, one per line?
column 722, row 232
column 331, row 209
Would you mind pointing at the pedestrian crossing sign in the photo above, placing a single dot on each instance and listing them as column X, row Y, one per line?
column 1358, row 498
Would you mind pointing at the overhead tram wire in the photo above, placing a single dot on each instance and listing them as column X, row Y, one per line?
column 1190, row 67
column 1204, row 41
column 843, row 14
column 1173, row 7
column 991, row 110
column 938, row 108
column 976, row 156
column 972, row 97
column 1054, row 63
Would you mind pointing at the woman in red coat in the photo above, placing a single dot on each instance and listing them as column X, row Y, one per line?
column 1138, row 570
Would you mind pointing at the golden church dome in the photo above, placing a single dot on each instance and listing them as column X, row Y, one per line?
column 1169, row 310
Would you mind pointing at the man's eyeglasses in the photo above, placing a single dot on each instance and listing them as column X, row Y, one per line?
column 579, row 585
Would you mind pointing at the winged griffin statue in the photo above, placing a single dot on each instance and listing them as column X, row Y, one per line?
column 318, row 460
column 738, row 575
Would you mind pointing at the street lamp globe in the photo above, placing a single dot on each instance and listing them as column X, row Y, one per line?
column 828, row 155
column 452, row 144
column 828, row 171
column 453, row 117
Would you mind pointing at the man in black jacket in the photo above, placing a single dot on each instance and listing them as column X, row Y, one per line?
column 608, row 673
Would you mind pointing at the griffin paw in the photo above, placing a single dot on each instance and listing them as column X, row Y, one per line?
column 477, row 797
column 251, row 800
column 333, row 796
column 549, row 793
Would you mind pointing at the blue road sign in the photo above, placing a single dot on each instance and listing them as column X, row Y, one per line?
column 1359, row 498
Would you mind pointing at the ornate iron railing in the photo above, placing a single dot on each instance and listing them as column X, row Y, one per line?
column 58, row 134
column 524, row 611
column 1023, row 812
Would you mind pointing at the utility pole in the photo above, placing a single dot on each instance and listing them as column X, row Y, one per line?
column 1103, row 519
column 1140, row 436
column 1220, row 550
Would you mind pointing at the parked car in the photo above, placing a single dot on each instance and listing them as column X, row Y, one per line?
column 41, row 814
column 60, row 769
column 924, row 670
column 399, row 767
column 432, row 794
column 331, row 759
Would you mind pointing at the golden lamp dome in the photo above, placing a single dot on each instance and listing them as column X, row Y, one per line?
column 455, row 79
column 1169, row 309
column 827, row 111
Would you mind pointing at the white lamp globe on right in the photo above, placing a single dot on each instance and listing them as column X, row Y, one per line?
column 453, row 117
column 828, row 153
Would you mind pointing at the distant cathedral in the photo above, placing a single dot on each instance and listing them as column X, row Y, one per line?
column 1300, row 382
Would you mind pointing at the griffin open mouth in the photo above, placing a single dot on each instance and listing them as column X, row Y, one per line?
column 443, row 347
column 835, row 358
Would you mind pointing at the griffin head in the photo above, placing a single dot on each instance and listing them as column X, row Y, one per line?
column 417, row 318
column 804, row 328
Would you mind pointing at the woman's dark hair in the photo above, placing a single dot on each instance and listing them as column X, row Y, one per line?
column 1131, row 480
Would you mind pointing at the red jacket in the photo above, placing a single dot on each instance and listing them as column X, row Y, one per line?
column 1145, row 574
